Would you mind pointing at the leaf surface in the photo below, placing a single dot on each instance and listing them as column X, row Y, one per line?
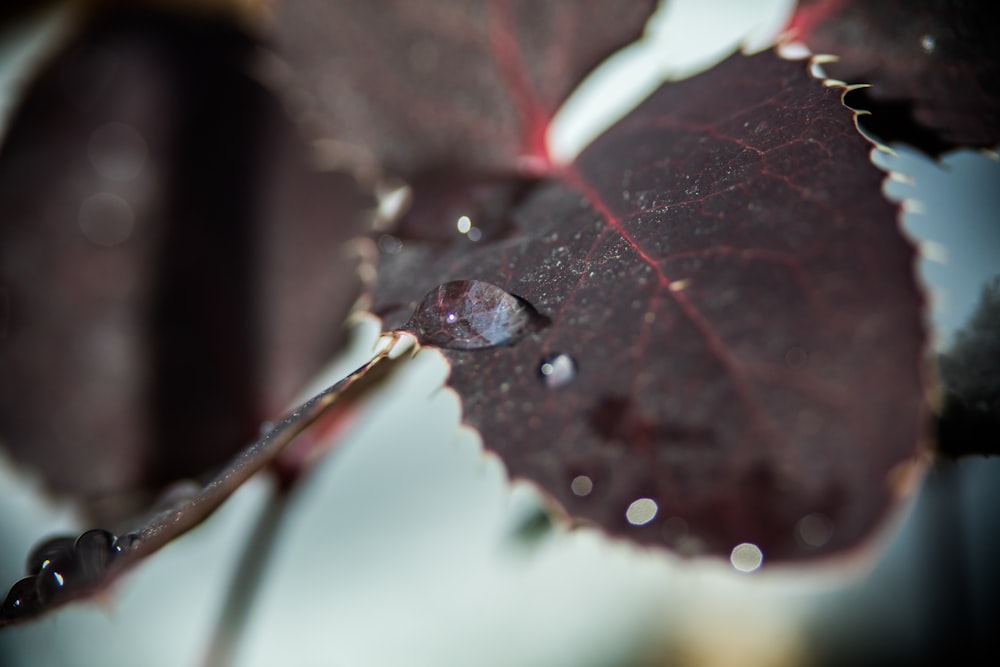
column 934, row 66
column 429, row 85
column 738, row 306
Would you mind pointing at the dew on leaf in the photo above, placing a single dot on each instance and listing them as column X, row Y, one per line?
column 94, row 552
column 58, row 572
column 472, row 315
column 45, row 551
column 582, row 485
column 21, row 600
column 746, row 557
column 557, row 370
column 126, row 542
column 641, row 511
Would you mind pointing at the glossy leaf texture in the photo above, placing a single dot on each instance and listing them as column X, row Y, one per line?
column 171, row 265
column 735, row 342
column 934, row 66
column 458, row 83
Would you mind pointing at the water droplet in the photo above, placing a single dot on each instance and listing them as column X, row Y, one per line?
column 582, row 485
column 126, row 542
column 58, row 572
column 117, row 151
column 464, row 224
column 94, row 552
column 814, row 530
column 746, row 557
column 641, row 511
column 475, row 234
column 472, row 315
column 21, row 600
column 557, row 370
column 44, row 551
column 928, row 44
column 106, row 219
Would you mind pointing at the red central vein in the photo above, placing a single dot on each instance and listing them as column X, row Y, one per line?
column 525, row 100
column 715, row 344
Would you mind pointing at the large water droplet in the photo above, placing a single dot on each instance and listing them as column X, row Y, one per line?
column 472, row 315
column 54, row 577
column 94, row 551
column 557, row 370
column 21, row 600
column 44, row 551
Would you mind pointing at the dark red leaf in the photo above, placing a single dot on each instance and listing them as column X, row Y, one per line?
column 934, row 66
column 170, row 265
column 423, row 85
column 735, row 330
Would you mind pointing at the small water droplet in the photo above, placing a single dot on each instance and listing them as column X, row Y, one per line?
column 475, row 234
column 94, row 552
column 641, row 511
column 55, row 575
column 126, row 542
column 582, row 485
column 106, row 219
column 472, row 315
column 44, row 551
column 464, row 224
column 21, row 600
column 746, row 557
column 928, row 43
column 557, row 370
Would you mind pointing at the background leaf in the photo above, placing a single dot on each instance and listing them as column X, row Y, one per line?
column 430, row 85
column 934, row 66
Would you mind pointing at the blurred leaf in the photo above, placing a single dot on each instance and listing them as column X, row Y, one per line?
column 172, row 268
column 934, row 66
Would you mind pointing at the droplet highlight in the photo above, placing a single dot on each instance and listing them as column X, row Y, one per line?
column 746, row 557
column 582, row 485
column 472, row 315
column 557, row 370
column 641, row 511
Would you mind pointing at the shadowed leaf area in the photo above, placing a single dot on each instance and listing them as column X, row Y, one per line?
column 732, row 323
column 170, row 264
column 934, row 66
